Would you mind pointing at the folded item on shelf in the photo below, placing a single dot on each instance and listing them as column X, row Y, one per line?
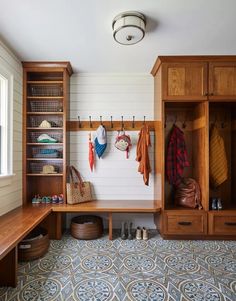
column 45, row 138
column 48, row 169
column 55, row 155
column 48, row 151
column 45, row 124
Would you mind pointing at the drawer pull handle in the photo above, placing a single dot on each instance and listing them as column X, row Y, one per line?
column 185, row 223
column 230, row 223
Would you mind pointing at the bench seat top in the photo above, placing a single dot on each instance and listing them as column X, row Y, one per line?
column 122, row 206
column 16, row 224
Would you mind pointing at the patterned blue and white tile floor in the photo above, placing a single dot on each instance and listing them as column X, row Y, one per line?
column 156, row 270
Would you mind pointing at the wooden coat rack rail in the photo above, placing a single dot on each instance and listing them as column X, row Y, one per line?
column 115, row 125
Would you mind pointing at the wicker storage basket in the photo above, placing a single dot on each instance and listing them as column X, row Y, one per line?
column 86, row 227
column 34, row 245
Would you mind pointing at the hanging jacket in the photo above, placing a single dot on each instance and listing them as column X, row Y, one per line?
column 176, row 158
column 142, row 155
column 217, row 159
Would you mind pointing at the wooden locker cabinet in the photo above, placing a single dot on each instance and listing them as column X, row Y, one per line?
column 201, row 90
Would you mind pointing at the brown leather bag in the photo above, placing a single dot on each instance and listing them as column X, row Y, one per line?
column 188, row 194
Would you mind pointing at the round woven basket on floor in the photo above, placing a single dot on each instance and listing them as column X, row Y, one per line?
column 86, row 227
column 34, row 245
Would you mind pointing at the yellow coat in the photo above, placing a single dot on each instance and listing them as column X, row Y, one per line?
column 217, row 160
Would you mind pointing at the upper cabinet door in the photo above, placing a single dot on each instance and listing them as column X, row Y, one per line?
column 184, row 81
column 222, row 81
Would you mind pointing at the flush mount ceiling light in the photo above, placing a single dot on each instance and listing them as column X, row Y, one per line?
column 129, row 27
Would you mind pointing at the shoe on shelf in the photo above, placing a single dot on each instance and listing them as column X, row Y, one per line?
column 145, row 234
column 123, row 230
column 214, row 203
column 219, row 204
column 138, row 233
column 130, row 236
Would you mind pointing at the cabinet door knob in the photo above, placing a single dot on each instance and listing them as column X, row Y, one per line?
column 205, row 94
column 211, row 94
column 185, row 223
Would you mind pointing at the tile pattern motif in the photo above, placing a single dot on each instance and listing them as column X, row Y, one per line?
column 153, row 270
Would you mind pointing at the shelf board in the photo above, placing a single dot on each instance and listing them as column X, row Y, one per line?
column 44, row 175
column 45, row 113
column 44, row 129
column 44, row 82
column 45, row 97
column 36, row 143
column 44, row 159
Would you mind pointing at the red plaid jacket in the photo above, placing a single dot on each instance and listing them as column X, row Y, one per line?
column 176, row 158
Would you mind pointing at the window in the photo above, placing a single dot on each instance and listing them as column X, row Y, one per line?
column 6, row 131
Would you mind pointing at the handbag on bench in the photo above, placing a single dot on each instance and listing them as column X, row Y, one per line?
column 188, row 194
column 78, row 191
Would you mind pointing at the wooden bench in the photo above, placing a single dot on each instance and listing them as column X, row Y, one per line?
column 109, row 207
column 16, row 224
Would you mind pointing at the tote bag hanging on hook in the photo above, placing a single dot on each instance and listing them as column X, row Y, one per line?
column 77, row 190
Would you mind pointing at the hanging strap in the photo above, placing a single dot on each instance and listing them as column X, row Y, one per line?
column 76, row 179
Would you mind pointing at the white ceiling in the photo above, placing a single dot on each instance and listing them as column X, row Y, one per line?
column 80, row 31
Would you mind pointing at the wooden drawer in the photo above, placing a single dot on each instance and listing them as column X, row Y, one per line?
column 185, row 223
column 222, row 224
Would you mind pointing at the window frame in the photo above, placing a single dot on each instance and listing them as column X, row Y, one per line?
column 6, row 123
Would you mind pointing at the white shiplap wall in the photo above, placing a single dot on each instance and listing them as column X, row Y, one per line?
column 114, row 95
column 11, row 195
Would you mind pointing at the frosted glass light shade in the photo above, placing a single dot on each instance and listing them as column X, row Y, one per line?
column 129, row 27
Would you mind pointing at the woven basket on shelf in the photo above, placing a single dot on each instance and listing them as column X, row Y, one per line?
column 86, row 227
column 34, row 245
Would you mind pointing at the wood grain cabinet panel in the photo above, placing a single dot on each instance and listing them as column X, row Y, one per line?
column 185, row 223
column 222, row 80
column 222, row 223
column 184, row 81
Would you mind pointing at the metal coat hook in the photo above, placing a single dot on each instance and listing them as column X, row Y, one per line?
column 175, row 119
column 90, row 122
column 144, row 120
column 133, row 122
column 122, row 123
column 111, row 122
column 223, row 122
column 101, row 120
column 215, row 120
column 79, row 122
column 184, row 125
column 165, row 121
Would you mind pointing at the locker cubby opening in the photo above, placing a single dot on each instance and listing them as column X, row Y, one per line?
column 191, row 119
column 43, row 186
column 223, row 115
